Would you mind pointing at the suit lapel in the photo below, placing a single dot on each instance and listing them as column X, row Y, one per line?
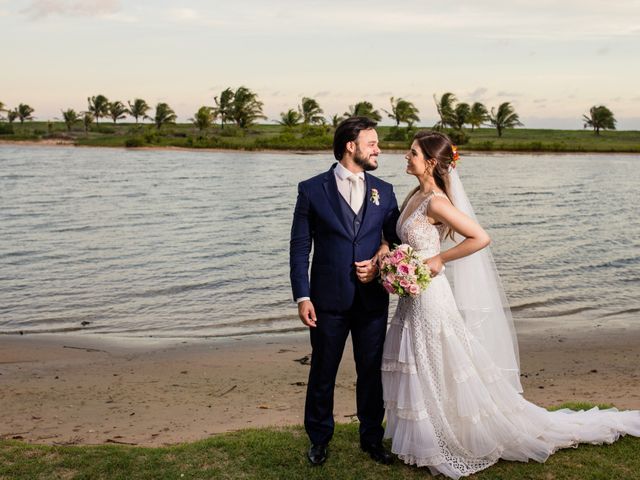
column 333, row 196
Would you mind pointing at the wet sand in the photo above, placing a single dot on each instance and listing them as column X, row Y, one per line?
column 84, row 390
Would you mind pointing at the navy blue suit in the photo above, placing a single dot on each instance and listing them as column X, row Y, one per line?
column 339, row 237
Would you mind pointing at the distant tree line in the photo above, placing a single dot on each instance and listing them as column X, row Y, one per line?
column 242, row 108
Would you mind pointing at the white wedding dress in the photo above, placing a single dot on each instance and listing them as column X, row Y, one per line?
column 448, row 406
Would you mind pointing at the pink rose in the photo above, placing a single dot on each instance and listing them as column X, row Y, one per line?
column 388, row 287
column 397, row 257
column 403, row 269
column 405, row 284
column 414, row 289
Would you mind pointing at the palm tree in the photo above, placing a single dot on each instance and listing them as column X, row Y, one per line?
column 203, row 118
column 600, row 118
column 24, row 112
column 335, row 120
column 70, row 117
column 98, row 106
column 445, row 107
column 363, row 109
column 478, row 115
column 224, row 106
column 461, row 115
column 310, row 111
column 291, row 118
column 12, row 115
column 138, row 108
column 246, row 107
column 403, row 111
column 164, row 115
column 505, row 117
column 87, row 120
column 117, row 110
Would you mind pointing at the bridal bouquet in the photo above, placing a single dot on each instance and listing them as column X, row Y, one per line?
column 402, row 272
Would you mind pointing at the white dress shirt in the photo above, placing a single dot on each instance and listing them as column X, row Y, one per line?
column 344, row 185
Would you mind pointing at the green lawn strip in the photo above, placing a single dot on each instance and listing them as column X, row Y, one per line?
column 277, row 453
column 277, row 137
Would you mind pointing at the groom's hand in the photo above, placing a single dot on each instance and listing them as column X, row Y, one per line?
column 307, row 313
column 366, row 270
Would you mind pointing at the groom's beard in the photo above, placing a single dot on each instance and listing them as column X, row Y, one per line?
column 367, row 162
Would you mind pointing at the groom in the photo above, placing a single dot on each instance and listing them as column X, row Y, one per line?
column 343, row 214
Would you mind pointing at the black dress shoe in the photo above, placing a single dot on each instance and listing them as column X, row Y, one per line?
column 317, row 454
column 377, row 452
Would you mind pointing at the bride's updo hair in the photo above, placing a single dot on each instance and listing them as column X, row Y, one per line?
column 435, row 145
column 438, row 146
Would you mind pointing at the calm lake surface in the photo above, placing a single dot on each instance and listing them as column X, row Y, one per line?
column 195, row 244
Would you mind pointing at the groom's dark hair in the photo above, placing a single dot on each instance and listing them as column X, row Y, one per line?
column 348, row 131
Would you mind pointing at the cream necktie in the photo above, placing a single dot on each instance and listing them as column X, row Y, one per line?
column 356, row 195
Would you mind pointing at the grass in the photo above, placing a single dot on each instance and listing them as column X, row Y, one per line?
column 279, row 453
column 277, row 137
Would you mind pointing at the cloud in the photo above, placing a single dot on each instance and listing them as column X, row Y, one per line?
column 478, row 93
column 324, row 93
column 503, row 93
column 603, row 50
column 75, row 8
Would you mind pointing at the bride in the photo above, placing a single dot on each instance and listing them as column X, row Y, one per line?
column 450, row 368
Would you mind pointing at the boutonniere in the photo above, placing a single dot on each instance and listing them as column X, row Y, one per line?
column 375, row 196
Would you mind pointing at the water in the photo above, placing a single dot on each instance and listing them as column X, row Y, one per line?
column 195, row 244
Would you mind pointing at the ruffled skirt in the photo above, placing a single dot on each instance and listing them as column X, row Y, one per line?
column 451, row 409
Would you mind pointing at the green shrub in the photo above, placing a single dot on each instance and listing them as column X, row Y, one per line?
column 203, row 142
column 396, row 134
column 458, row 137
column 105, row 129
column 314, row 130
column 151, row 137
column 231, row 131
column 6, row 129
column 286, row 141
column 134, row 142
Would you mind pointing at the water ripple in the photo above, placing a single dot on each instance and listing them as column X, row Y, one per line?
column 185, row 244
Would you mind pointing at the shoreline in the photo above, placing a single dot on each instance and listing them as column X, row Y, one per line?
column 463, row 151
column 79, row 389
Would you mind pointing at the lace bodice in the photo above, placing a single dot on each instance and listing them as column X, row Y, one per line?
column 416, row 231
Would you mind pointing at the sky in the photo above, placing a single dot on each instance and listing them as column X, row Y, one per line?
column 552, row 60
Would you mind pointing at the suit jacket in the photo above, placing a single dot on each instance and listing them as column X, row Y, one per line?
column 318, row 221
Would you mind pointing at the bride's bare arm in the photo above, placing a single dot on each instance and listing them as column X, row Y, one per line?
column 441, row 210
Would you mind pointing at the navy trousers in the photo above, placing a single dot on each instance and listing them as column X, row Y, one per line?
column 328, row 338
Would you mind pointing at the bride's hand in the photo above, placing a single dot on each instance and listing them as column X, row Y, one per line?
column 382, row 252
column 435, row 264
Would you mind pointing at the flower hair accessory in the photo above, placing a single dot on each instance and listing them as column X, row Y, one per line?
column 455, row 156
column 375, row 196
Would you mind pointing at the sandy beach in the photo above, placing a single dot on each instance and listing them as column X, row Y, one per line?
column 85, row 390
